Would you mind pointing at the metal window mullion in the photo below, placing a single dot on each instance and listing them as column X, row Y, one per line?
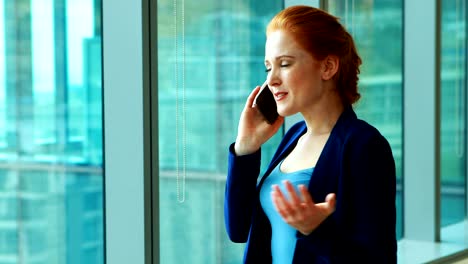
column 465, row 101
column 61, row 76
column 150, row 68
column 124, row 132
column 421, row 133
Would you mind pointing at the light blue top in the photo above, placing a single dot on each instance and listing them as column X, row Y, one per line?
column 283, row 237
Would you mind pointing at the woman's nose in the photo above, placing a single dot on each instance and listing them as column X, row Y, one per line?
column 273, row 78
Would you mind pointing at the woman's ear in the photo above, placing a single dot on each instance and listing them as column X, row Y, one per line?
column 330, row 67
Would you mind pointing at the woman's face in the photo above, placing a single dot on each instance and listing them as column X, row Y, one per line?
column 294, row 76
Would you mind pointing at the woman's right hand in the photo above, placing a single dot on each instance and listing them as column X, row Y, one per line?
column 253, row 130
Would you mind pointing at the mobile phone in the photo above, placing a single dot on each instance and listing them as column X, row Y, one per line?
column 266, row 104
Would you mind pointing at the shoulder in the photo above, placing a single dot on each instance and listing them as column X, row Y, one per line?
column 362, row 137
column 350, row 127
column 361, row 129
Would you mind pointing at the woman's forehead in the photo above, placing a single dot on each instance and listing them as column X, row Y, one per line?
column 282, row 44
column 279, row 42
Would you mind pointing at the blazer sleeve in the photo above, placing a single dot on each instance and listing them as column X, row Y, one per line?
column 240, row 194
column 365, row 212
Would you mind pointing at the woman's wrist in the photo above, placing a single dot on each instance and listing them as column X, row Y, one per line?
column 241, row 149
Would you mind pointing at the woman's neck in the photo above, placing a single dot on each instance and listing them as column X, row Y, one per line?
column 322, row 117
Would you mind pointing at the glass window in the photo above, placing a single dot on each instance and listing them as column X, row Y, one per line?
column 377, row 29
column 51, row 184
column 453, row 118
column 210, row 56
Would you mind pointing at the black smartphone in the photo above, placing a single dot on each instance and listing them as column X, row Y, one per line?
column 266, row 104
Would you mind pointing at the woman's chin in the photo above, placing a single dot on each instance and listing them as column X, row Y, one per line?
column 285, row 112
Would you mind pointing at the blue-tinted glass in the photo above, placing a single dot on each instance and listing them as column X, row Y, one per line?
column 8, row 242
column 453, row 134
column 377, row 28
column 205, row 76
column 51, row 183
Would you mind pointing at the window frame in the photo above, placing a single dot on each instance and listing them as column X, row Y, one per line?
column 131, row 194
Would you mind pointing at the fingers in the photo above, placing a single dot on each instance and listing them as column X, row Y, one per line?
column 305, row 198
column 278, row 198
column 331, row 201
column 251, row 97
column 277, row 124
column 299, row 209
column 292, row 193
column 295, row 204
column 264, row 86
column 328, row 207
column 288, row 208
column 305, row 195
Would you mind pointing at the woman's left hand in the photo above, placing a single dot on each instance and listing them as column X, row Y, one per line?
column 300, row 211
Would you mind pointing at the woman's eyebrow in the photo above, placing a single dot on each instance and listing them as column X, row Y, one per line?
column 282, row 57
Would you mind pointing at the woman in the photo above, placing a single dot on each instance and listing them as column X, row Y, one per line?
column 328, row 195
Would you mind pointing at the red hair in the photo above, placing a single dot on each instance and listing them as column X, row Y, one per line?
column 321, row 34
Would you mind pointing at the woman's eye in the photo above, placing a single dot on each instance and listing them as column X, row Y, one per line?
column 267, row 70
column 285, row 65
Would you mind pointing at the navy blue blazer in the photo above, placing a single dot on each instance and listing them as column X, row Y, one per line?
column 357, row 165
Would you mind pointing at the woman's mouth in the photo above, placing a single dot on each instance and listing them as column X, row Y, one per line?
column 280, row 96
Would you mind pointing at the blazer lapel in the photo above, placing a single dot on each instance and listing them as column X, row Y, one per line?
column 325, row 176
column 289, row 146
column 283, row 152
